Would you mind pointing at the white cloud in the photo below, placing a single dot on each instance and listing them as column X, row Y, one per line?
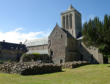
column 17, row 36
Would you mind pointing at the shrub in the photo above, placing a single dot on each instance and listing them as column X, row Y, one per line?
column 29, row 57
column 1, row 62
column 34, row 57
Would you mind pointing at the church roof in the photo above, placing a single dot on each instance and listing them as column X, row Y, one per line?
column 36, row 42
column 66, row 32
column 62, row 29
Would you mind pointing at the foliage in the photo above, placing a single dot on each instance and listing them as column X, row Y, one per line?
column 97, row 33
column 33, row 57
column 4, row 61
column 29, row 57
column 1, row 62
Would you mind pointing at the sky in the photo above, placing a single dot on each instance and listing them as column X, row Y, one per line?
column 22, row 20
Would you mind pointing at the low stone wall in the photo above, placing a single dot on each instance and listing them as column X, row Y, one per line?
column 74, row 64
column 29, row 68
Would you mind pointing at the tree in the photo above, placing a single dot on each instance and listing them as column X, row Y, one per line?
column 97, row 33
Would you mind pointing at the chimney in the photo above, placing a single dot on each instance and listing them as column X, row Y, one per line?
column 3, row 40
column 21, row 43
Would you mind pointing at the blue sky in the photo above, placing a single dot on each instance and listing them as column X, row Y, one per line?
column 36, row 18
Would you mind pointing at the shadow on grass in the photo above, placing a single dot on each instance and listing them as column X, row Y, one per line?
column 78, row 66
column 108, row 65
column 41, row 73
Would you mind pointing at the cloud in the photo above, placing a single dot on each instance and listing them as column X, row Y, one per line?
column 17, row 36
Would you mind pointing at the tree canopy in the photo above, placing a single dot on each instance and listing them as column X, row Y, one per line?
column 97, row 33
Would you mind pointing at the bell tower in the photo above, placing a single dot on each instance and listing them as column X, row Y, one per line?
column 71, row 21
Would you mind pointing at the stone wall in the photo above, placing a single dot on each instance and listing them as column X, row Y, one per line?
column 29, row 68
column 90, row 54
column 74, row 64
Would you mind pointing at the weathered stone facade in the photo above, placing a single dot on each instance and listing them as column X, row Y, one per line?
column 56, row 51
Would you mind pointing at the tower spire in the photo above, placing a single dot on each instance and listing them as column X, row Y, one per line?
column 70, row 7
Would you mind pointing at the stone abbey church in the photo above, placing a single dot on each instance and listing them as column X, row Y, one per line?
column 64, row 43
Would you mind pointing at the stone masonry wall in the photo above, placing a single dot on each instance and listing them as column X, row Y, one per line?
column 57, row 46
column 91, row 54
column 29, row 68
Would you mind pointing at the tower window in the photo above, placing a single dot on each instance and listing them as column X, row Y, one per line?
column 67, row 21
column 70, row 17
column 63, row 22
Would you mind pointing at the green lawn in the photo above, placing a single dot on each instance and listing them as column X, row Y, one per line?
column 90, row 74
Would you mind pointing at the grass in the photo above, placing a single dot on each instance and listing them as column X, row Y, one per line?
column 90, row 74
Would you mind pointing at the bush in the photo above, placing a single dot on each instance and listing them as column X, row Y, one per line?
column 34, row 57
column 1, row 62
column 4, row 61
column 29, row 57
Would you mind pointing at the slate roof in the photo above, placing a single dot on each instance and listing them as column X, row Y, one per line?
column 68, row 34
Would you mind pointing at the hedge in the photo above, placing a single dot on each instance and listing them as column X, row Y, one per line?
column 34, row 57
